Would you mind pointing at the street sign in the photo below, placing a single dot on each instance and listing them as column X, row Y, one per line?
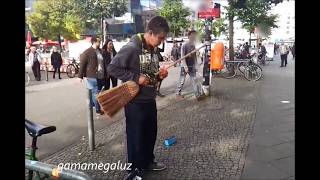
column 211, row 12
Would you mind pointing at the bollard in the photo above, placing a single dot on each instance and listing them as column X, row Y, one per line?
column 90, row 121
column 46, row 69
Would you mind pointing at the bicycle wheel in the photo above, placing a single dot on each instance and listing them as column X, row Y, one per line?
column 27, row 79
column 229, row 71
column 71, row 71
column 252, row 72
column 241, row 67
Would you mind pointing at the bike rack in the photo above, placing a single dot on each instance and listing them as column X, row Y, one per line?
column 53, row 170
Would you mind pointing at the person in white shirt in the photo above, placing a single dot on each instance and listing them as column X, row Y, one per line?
column 284, row 50
column 34, row 60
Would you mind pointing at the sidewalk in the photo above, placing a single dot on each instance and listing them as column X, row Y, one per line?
column 212, row 136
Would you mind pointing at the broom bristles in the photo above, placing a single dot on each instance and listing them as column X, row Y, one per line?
column 112, row 100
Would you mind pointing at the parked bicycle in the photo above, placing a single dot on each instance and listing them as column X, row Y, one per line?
column 73, row 68
column 39, row 170
column 250, row 70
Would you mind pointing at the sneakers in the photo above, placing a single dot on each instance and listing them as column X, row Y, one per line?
column 134, row 175
column 100, row 112
column 155, row 166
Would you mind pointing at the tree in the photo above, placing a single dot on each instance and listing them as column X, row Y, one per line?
column 176, row 15
column 218, row 27
column 93, row 11
column 256, row 14
column 53, row 18
column 237, row 7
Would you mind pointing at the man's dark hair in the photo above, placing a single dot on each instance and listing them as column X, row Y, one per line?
column 94, row 39
column 157, row 25
column 191, row 32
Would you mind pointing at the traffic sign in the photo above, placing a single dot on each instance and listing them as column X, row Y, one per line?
column 210, row 12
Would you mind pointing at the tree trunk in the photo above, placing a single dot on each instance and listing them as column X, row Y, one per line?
column 231, row 49
column 249, row 38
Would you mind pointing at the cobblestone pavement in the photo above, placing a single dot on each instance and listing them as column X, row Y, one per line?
column 212, row 136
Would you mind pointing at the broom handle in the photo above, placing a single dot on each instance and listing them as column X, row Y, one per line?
column 185, row 56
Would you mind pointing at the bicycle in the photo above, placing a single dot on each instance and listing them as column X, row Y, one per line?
column 35, row 167
column 250, row 70
column 36, row 130
column 73, row 68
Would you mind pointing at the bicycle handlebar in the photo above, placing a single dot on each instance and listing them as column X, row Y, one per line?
column 54, row 171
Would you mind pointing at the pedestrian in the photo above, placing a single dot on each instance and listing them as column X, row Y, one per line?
column 175, row 51
column 90, row 61
column 108, row 53
column 284, row 54
column 136, row 62
column 293, row 52
column 160, row 59
column 188, row 66
column 262, row 53
column 35, row 60
column 247, row 48
column 56, row 61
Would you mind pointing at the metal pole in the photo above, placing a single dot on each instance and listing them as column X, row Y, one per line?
column 90, row 121
column 206, row 67
column 46, row 69
column 54, row 171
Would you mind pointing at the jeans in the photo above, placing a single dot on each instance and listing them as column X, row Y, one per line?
column 197, row 89
column 284, row 60
column 141, row 129
column 92, row 84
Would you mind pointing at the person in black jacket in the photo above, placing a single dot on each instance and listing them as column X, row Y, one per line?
column 56, row 61
column 137, row 61
column 108, row 53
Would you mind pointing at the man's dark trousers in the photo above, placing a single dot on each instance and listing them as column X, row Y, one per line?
column 283, row 60
column 141, row 128
column 36, row 70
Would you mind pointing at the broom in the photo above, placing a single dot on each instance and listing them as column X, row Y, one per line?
column 112, row 100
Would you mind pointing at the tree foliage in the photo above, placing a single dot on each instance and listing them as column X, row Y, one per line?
column 176, row 15
column 69, row 18
column 255, row 13
column 54, row 17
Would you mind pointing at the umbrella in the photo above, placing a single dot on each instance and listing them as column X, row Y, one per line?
column 37, row 43
column 52, row 42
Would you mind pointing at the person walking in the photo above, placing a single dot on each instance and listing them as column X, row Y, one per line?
column 262, row 53
column 56, row 61
column 35, row 60
column 108, row 53
column 188, row 66
column 293, row 52
column 284, row 54
column 90, row 61
column 136, row 62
